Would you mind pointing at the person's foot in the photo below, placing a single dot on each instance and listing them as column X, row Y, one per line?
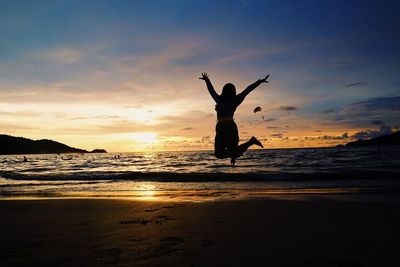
column 256, row 142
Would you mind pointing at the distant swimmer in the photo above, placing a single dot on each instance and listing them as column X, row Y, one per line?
column 25, row 159
column 226, row 143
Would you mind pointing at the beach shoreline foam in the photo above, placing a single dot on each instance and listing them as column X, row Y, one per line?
column 193, row 191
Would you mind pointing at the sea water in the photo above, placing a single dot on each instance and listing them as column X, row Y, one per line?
column 172, row 174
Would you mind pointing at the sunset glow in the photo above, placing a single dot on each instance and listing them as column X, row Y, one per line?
column 125, row 77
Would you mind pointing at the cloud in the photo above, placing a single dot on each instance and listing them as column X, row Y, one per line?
column 377, row 122
column 205, row 139
column 376, row 111
column 112, row 127
column 328, row 137
column 367, row 134
column 380, row 103
column 328, row 111
column 356, row 84
column 270, row 119
column 11, row 127
column 278, row 127
column 185, row 117
column 19, row 113
column 156, row 76
column 287, row 108
column 100, row 117
column 277, row 135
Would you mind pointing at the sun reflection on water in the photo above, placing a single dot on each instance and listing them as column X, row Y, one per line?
column 147, row 191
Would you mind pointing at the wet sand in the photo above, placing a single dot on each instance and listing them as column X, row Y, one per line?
column 248, row 232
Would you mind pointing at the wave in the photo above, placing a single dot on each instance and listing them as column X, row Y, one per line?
column 204, row 177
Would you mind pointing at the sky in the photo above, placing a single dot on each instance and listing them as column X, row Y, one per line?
column 123, row 75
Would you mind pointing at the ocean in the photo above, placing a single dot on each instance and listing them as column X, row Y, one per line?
column 198, row 174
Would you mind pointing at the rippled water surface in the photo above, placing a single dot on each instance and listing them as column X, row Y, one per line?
column 166, row 171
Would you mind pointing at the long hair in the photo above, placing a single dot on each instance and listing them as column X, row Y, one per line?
column 228, row 92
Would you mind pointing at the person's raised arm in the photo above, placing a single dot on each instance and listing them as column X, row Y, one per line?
column 211, row 90
column 240, row 97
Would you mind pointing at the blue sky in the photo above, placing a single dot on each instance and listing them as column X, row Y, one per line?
column 105, row 71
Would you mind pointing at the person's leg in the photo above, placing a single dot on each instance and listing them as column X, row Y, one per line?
column 243, row 147
column 220, row 143
column 232, row 141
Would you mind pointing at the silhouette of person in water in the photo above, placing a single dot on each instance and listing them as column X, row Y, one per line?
column 226, row 143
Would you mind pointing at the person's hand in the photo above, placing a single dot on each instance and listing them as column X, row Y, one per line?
column 264, row 80
column 204, row 76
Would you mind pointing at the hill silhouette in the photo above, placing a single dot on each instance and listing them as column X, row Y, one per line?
column 98, row 150
column 388, row 140
column 19, row 145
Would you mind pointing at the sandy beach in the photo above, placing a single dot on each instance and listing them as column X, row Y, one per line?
column 249, row 232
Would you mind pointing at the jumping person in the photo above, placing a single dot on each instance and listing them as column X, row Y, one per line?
column 226, row 143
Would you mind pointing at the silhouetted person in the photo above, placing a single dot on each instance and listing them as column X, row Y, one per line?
column 227, row 137
column 25, row 159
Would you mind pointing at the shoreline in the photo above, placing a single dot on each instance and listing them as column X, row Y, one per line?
column 207, row 195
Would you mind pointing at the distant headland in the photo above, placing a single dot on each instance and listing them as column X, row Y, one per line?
column 19, row 145
column 383, row 140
